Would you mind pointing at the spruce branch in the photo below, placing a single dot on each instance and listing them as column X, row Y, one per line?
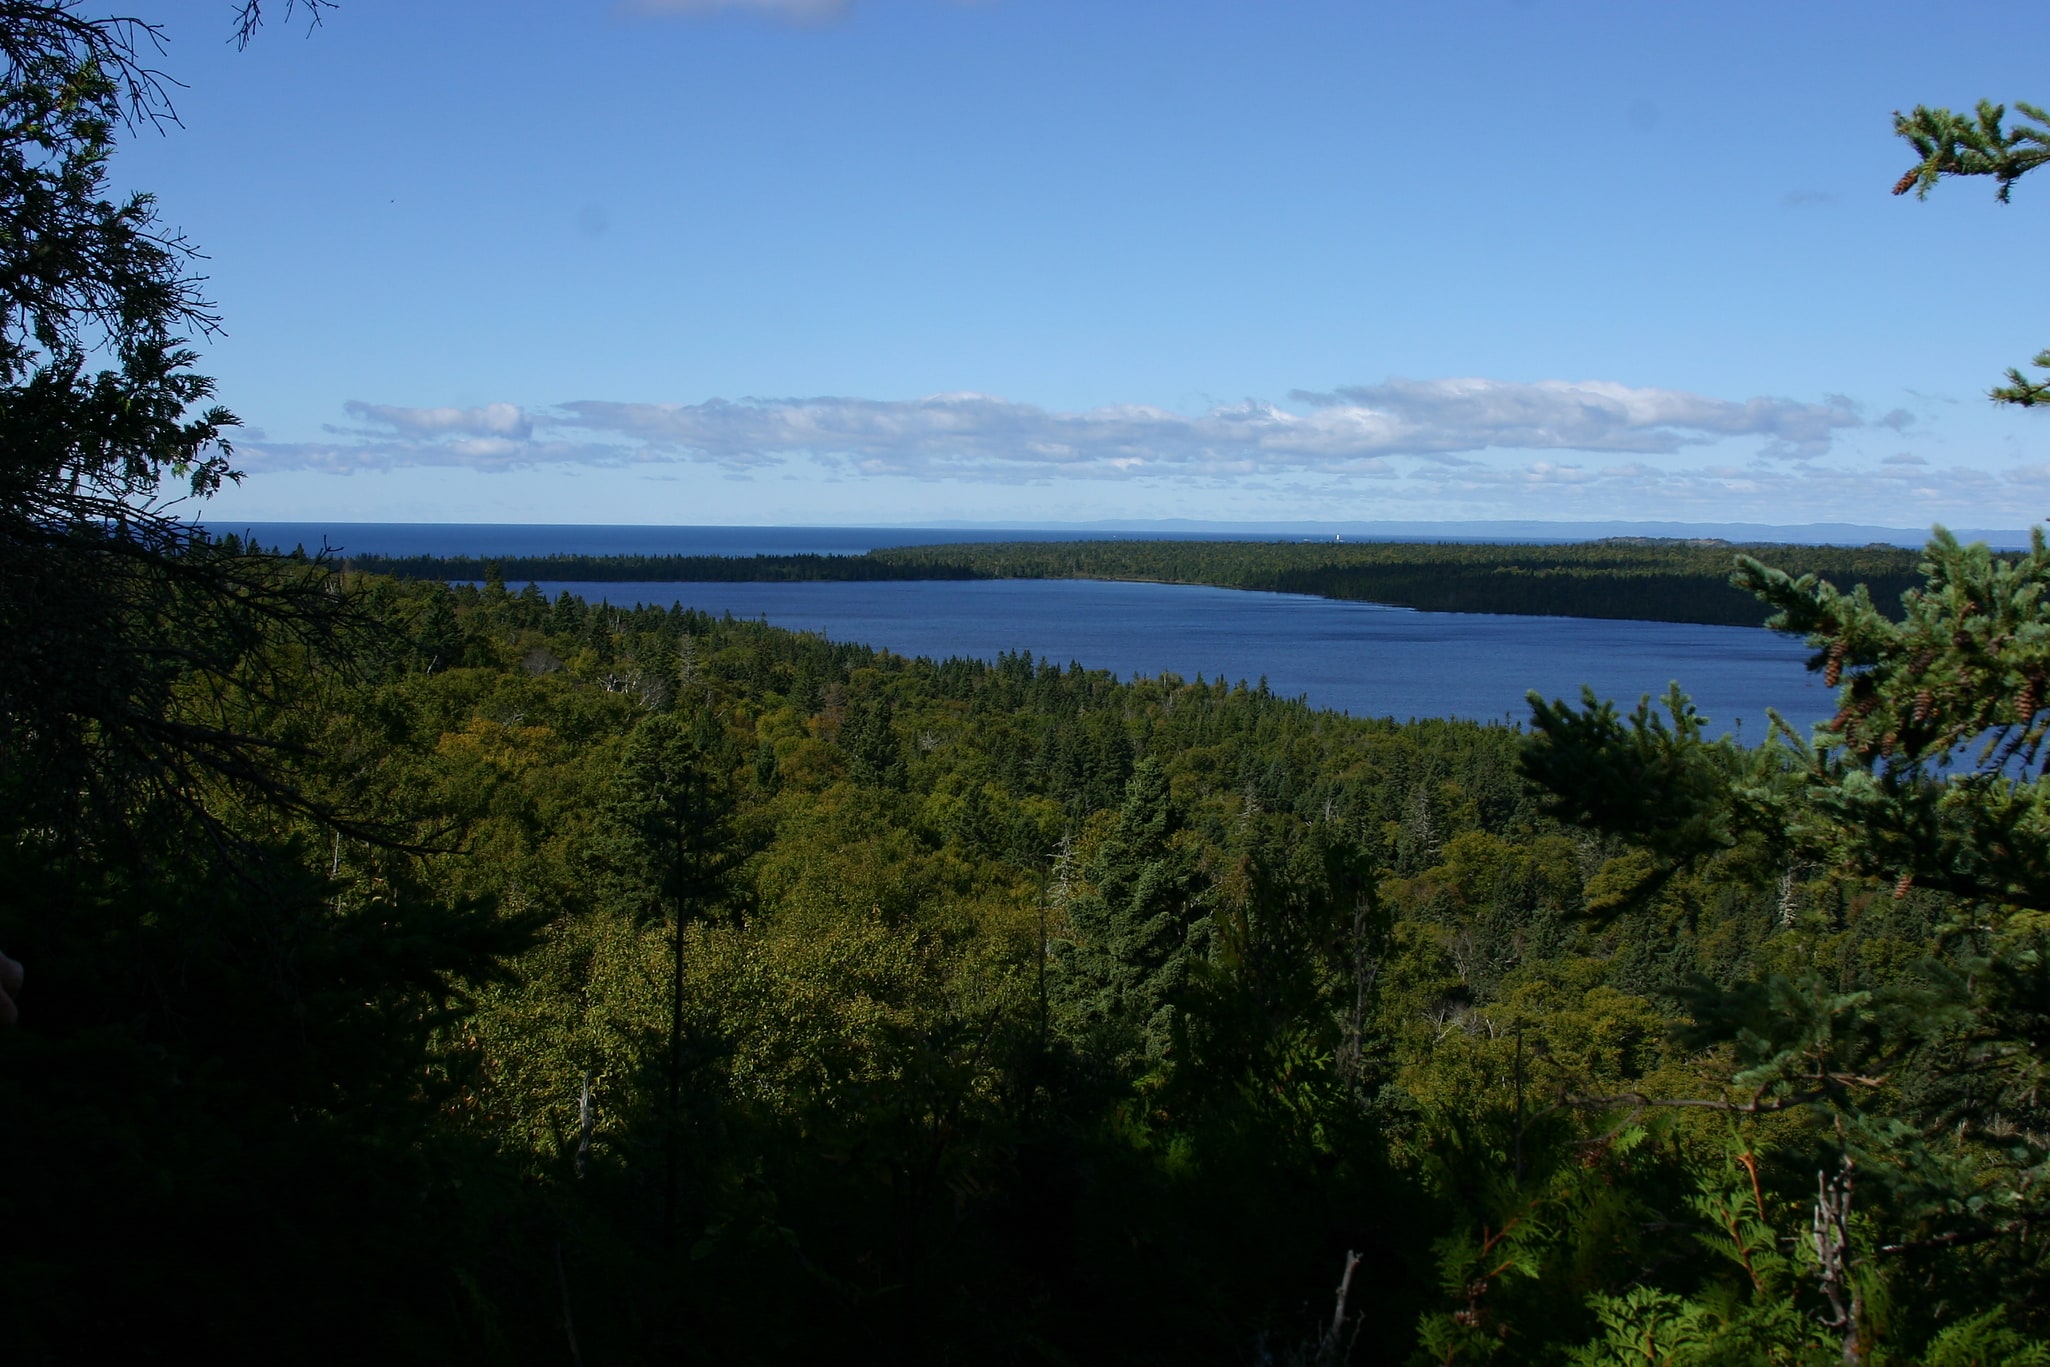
column 1953, row 144
column 2022, row 390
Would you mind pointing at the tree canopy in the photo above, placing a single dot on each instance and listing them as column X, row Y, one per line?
column 683, row 987
column 134, row 642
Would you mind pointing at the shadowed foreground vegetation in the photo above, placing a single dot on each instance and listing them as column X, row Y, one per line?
column 426, row 974
column 684, row 988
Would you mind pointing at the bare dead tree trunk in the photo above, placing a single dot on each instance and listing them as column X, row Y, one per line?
column 1334, row 1348
column 1790, row 893
column 587, row 1116
column 1832, row 1234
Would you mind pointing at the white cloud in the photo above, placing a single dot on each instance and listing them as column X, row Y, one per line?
column 978, row 435
column 490, row 454
column 1597, row 415
column 1451, row 428
column 987, row 437
column 492, row 420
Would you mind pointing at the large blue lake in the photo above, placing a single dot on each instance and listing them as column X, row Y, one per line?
column 1361, row 658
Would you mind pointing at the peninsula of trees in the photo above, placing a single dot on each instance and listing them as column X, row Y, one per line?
column 423, row 972
column 1665, row 581
column 574, row 983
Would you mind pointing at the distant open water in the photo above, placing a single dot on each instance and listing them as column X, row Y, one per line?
column 1362, row 658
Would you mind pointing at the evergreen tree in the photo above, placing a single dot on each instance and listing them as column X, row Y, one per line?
column 132, row 640
column 868, row 734
column 669, row 848
column 1932, row 774
column 1135, row 931
column 1980, row 144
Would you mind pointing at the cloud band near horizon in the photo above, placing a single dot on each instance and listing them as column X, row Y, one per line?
column 979, row 437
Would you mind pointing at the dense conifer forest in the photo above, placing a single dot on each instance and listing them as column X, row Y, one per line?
column 680, row 986
column 401, row 971
column 1661, row 581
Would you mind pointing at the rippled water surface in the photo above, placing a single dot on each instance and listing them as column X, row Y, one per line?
column 1357, row 657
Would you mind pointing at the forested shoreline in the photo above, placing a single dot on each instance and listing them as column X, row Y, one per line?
column 409, row 971
column 675, row 983
column 1665, row 581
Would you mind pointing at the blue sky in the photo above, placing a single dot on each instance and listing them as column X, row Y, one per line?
column 793, row 261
